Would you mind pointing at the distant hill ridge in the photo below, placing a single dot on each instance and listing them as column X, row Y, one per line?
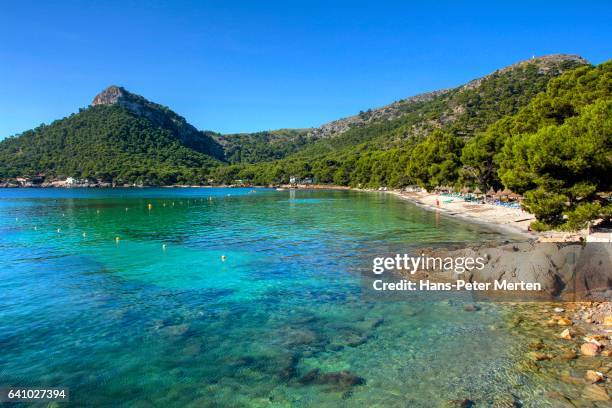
column 126, row 137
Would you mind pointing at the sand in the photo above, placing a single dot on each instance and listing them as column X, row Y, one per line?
column 514, row 220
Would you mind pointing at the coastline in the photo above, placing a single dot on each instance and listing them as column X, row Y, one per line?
column 510, row 220
column 503, row 219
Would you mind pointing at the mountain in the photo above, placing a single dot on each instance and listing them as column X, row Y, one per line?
column 125, row 138
column 121, row 137
column 374, row 147
column 162, row 117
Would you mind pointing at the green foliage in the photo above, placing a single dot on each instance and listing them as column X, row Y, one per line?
column 558, row 150
column 379, row 153
column 435, row 161
column 108, row 143
column 263, row 146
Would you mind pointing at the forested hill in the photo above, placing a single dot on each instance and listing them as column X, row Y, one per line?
column 374, row 148
column 124, row 138
column 121, row 138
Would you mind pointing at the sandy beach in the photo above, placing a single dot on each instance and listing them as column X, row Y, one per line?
column 514, row 220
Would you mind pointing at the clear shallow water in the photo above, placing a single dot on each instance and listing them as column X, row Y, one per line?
column 130, row 323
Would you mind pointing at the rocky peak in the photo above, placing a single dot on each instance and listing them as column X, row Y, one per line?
column 158, row 115
column 110, row 96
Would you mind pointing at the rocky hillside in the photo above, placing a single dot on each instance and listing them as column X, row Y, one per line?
column 160, row 116
column 463, row 98
column 123, row 136
column 388, row 112
column 120, row 138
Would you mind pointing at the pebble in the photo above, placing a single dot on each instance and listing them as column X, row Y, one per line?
column 589, row 349
column 593, row 376
column 536, row 356
column 566, row 334
column 558, row 310
column 568, row 355
column 564, row 321
column 471, row 308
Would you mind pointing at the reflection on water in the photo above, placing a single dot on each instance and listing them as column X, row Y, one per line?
column 157, row 318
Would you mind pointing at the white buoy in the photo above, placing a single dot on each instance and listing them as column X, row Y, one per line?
column 117, row 239
column 35, row 228
column 59, row 230
column 97, row 211
column 164, row 247
column 126, row 208
column 223, row 258
column 84, row 235
column 16, row 218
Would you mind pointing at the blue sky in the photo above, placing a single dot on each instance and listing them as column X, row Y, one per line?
column 235, row 66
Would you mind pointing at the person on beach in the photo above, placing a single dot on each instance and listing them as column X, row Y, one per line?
column 437, row 203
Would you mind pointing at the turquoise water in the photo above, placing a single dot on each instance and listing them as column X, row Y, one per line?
column 156, row 318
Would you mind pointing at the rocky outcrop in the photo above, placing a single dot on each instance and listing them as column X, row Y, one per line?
column 570, row 271
column 388, row 112
column 160, row 116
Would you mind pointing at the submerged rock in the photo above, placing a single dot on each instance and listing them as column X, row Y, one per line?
column 593, row 376
column 595, row 392
column 566, row 334
column 589, row 349
column 339, row 380
column 175, row 330
column 471, row 307
column 568, row 355
column 564, row 321
column 505, row 401
column 536, row 345
column 464, row 403
column 537, row 356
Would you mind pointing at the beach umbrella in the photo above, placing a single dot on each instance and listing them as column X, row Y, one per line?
column 477, row 191
column 491, row 192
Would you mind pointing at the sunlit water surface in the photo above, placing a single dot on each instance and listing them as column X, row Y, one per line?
column 128, row 305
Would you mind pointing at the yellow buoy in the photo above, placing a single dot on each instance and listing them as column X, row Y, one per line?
column 149, row 206
column 117, row 239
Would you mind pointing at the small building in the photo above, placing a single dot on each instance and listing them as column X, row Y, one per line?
column 22, row 181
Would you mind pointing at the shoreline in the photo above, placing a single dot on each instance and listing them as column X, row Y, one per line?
column 508, row 220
